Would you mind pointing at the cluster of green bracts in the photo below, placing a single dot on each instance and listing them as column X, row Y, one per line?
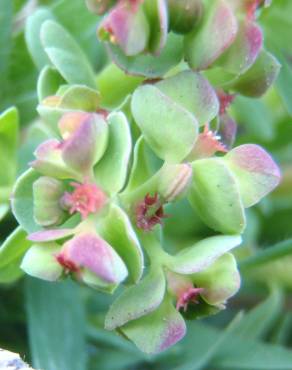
column 122, row 150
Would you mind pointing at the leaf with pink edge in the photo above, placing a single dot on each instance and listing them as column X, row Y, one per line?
column 87, row 250
column 241, row 55
column 215, row 34
column 111, row 171
column 220, row 281
column 126, row 25
column 202, row 254
column 257, row 79
column 157, row 15
column 215, row 195
column 137, row 301
column 86, row 144
column 148, row 65
column 117, row 230
column 49, row 161
column 158, row 117
column 39, row 261
column 255, row 170
column 193, row 92
column 157, row 331
column 50, row 235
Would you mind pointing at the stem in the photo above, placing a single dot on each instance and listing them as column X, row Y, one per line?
column 153, row 248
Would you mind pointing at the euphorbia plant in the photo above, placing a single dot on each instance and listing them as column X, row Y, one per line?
column 94, row 209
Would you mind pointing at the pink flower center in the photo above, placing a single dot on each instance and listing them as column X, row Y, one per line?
column 85, row 199
column 188, row 296
column 149, row 212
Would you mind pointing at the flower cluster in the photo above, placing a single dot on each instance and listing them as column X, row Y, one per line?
column 93, row 207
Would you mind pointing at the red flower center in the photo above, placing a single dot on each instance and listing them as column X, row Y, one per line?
column 149, row 212
column 188, row 296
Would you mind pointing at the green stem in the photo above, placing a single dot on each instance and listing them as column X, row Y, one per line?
column 153, row 248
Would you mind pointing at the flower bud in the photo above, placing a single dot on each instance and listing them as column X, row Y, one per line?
column 86, row 137
column 126, row 26
column 47, row 193
column 174, row 181
column 184, row 14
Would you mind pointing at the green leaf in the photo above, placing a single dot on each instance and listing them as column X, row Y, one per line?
column 168, row 128
column 215, row 34
column 4, row 208
column 148, row 65
column 22, row 201
column 117, row 230
column 202, row 254
column 8, row 146
column 243, row 52
column 11, row 273
column 114, row 85
column 66, row 55
column 80, row 97
column 256, row 323
column 215, row 195
column 140, row 171
column 32, row 36
column 40, row 262
column 138, row 300
column 56, row 333
column 193, row 92
column 220, row 281
column 111, row 171
column 269, row 254
column 255, row 170
column 257, row 79
column 48, row 82
column 157, row 331
column 13, row 247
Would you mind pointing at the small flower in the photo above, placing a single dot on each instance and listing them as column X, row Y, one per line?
column 207, row 144
column 149, row 212
column 188, row 296
column 86, row 198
